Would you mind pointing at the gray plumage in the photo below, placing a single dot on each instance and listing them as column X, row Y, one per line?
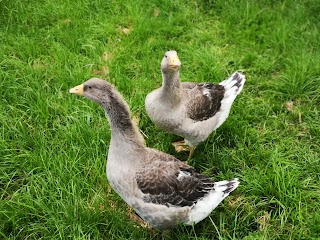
column 160, row 188
column 190, row 110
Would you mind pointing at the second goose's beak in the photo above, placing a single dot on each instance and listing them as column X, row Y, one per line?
column 174, row 62
column 77, row 89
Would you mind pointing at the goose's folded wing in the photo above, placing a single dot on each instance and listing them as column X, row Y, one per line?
column 172, row 183
column 203, row 101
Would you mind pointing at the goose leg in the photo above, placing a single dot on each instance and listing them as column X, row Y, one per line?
column 137, row 219
column 191, row 152
column 181, row 146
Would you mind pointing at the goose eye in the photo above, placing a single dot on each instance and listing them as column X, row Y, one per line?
column 166, row 56
column 89, row 87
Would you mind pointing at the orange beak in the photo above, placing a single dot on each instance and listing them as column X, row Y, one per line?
column 174, row 62
column 77, row 89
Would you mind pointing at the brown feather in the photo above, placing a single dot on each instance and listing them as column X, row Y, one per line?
column 160, row 183
column 202, row 106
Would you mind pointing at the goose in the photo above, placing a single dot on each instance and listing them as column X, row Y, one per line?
column 161, row 189
column 189, row 109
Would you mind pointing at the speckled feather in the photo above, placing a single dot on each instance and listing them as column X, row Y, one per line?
column 160, row 181
column 203, row 101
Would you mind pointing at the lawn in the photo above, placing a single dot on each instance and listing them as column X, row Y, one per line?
column 53, row 144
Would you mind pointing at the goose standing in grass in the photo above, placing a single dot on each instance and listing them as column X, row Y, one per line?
column 190, row 110
column 161, row 189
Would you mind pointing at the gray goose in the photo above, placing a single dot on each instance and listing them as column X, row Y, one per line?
column 161, row 189
column 189, row 109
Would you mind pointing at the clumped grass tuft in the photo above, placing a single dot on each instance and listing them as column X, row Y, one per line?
column 53, row 145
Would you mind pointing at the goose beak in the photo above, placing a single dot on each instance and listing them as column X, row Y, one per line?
column 77, row 89
column 174, row 62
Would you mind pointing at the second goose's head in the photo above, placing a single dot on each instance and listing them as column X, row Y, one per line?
column 170, row 62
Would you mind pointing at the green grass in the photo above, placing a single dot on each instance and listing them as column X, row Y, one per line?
column 53, row 144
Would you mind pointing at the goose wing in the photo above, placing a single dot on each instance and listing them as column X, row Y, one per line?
column 167, row 181
column 203, row 100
